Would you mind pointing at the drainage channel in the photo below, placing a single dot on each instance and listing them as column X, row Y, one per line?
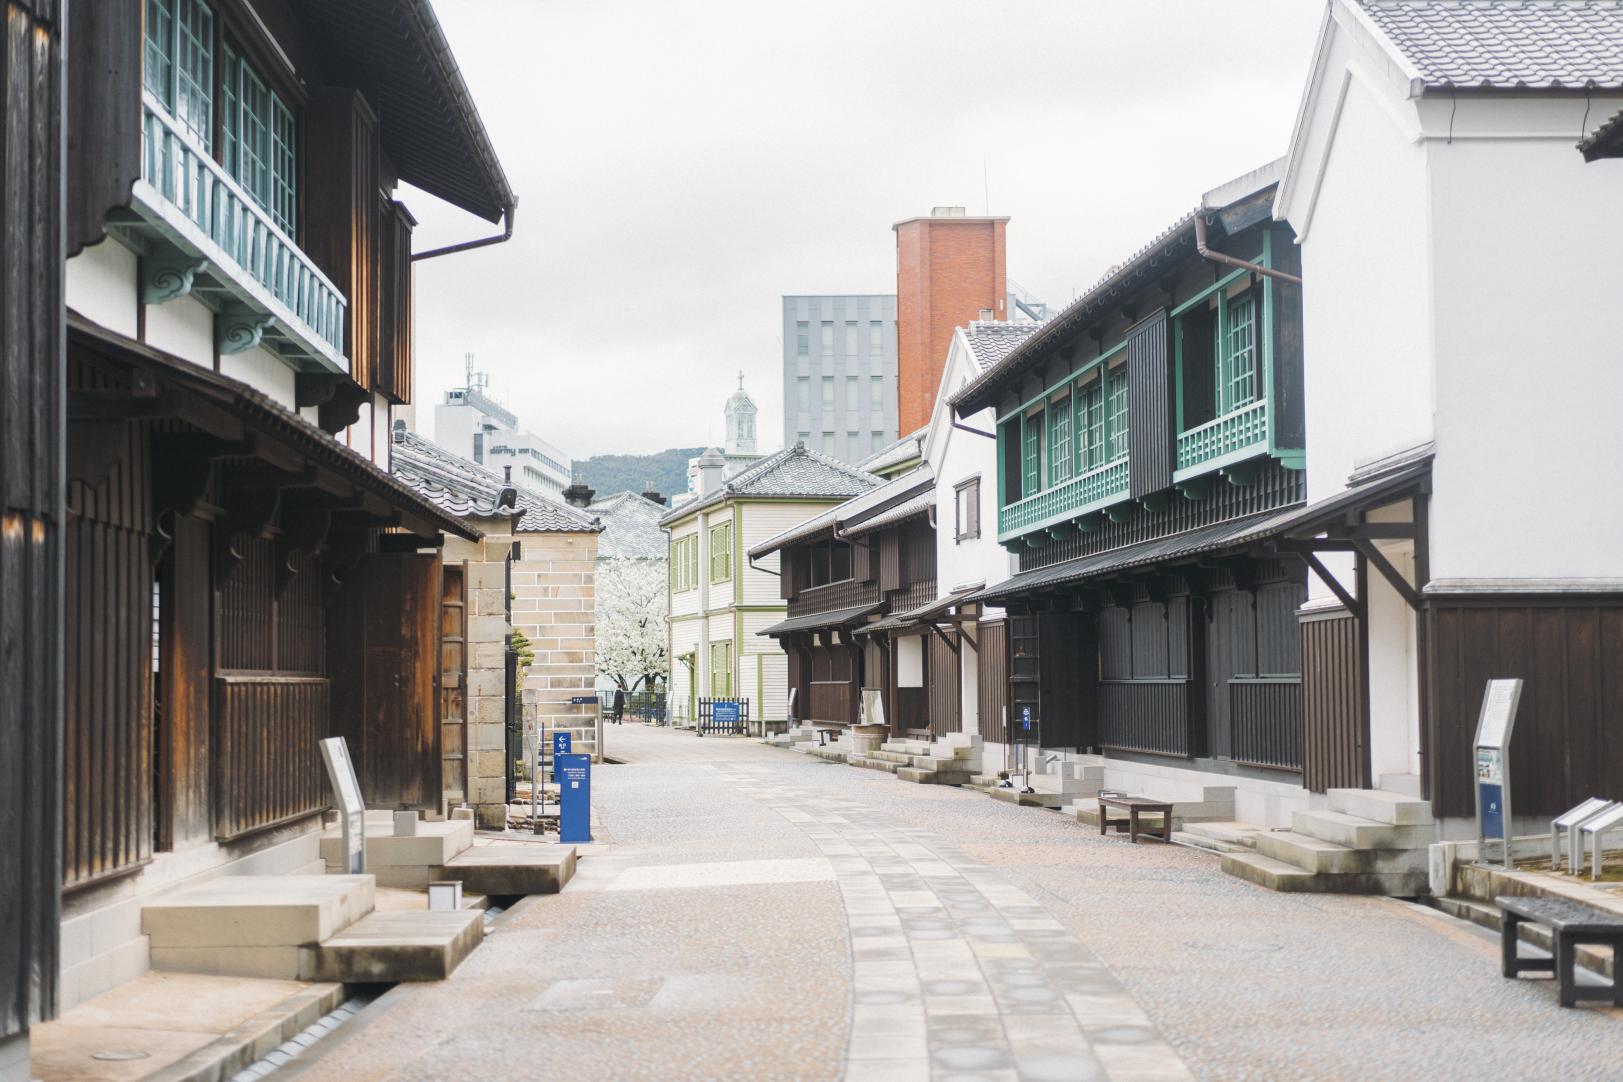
column 363, row 996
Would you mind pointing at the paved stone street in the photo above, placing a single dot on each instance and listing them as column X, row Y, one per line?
column 752, row 913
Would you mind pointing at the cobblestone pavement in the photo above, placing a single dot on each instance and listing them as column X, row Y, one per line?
column 752, row 913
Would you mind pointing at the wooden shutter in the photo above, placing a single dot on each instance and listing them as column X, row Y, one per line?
column 1149, row 387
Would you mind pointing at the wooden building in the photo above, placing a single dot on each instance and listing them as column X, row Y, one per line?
column 845, row 572
column 243, row 575
column 1149, row 441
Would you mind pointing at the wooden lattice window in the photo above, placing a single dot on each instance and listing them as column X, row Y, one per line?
column 1090, row 419
column 1033, row 455
column 1117, row 409
column 1237, row 355
column 258, row 140
column 179, row 64
column 1060, row 463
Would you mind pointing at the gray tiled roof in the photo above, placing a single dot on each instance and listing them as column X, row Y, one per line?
column 1506, row 44
column 630, row 528
column 468, row 490
column 991, row 341
column 1605, row 141
column 906, row 449
column 794, row 471
column 907, row 486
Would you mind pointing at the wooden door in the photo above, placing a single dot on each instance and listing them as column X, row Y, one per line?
column 384, row 657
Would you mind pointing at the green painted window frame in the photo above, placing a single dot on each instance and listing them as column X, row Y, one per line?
column 178, row 67
column 1090, row 412
column 685, row 564
column 721, row 676
column 1031, row 455
column 259, row 140
column 1061, row 462
column 1118, row 419
column 721, row 552
column 1236, row 352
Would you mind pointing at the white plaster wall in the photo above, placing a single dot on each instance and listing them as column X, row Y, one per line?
column 910, row 661
column 263, row 371
column 101, row 286
column 453, row 429
column 358, row 436
column 183, row 327
column 969, row 687
column 1528, row 272
column 1394, row 688
column 382, row 424
column 311, row 414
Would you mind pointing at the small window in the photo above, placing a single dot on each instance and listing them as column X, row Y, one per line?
column 258, row 138
column 1090, row 422
column 721, row 670
column 827, row 446
column 721, row 552
column 1119, row 415
column 853, row 446
column 803, row 392
column 802, row 338
column 1059, row 441
column 179, row 64
column 967, row 507
column 803, row 438
column 828, row 392
column 876, row 337
column 850, row 338
column 828, row 561
column 1237, row 365
column 876, row 392
column 853, row 393
column 828, row 338
column 1032, row 481
column 878, row 441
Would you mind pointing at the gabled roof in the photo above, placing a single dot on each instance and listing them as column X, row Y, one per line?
column 1605, row 141
column 794, row 471
column 630, row 528
column 1505, row 44
column 896, row 454
column 861, row 513
column 467, row 490
column 991, row 341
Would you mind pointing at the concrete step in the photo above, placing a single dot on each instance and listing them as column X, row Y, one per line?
column 868, row 763
column 409, row 862
column 1277, row 875
column 1029, row 800
column 1406, row 784
column 1317, row 855
column 900, row 758
column 399, row 946
column 832, row 753
column 1201, row 841
column 252, row 925
column 1356, row 832
column 1395, row 809
column 933, row 777
column 1238, row 835
column 907, row 747
column 513, row 868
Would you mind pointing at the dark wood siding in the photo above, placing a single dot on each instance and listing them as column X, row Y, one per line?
column 1334, row 730
column 108, row 792
column 384, row 636
column 1253, row 662
column 1289, row 397
column 31, row 511
column 836, row 684
column 394, row 302
column 1150, row 437
column 1568, row 740
column 267, row 765
column 1148, row 663
column 185, row 694
column 104, row 114
column 993, row 679
column 944, row 683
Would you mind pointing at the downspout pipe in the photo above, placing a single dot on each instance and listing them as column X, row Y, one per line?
column 468, row 245
column 1231, row 261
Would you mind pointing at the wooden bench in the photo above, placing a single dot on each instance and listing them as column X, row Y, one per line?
column 824, row 734
column 1572, row 924
column 919, row 734
column 1134, row 806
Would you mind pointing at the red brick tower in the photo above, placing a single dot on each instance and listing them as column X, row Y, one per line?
column 950, row 268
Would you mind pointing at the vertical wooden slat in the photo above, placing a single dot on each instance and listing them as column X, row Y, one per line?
column 993, row 679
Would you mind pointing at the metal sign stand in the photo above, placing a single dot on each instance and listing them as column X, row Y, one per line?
column 351, row 808
column 1493, row 729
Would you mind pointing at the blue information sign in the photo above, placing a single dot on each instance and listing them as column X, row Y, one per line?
column 561, row 745
column 575, row 798
column 1025, row 718
column 1490, row 789
column 723, row 712
column 583, row 700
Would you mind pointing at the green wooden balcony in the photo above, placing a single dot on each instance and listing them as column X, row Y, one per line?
column 200, row 232
column 1237, row 435
column 1081, row 494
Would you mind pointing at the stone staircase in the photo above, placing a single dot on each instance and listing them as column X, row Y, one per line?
column 1191, row 803
column 305, row 928
column 449, row 850
column 1058, row 784
column 1368, row 841
column 951, row 759
column 1219, row 836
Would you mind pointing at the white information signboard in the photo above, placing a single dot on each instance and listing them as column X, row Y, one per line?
column 351, row 808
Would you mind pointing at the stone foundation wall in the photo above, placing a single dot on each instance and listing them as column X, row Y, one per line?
column 554, row 605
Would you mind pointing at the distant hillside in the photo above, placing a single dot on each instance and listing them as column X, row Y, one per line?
column 608, row 474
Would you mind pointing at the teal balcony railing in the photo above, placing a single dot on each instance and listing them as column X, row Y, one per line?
column 1237, row 434
column 1081, row 494
column 216, row 230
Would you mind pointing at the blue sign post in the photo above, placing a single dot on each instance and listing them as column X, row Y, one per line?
column 1025, row 718
column 561, row 746
column 574, row 798
column 724, row 715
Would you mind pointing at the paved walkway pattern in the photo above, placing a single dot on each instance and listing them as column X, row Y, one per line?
column 956, row 972
column 750, row 913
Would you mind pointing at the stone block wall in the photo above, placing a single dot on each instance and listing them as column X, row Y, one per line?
column 554, row 605
column 485, row 698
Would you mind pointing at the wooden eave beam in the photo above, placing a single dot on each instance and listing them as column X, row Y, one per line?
column 1391, row 574
column 942, row 635
column 1354, row 605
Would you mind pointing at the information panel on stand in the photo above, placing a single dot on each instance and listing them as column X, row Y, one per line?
column 574, row 798
column 1493, row 729
column 562, row 744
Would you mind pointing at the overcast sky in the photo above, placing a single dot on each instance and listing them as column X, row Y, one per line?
column 682, row 164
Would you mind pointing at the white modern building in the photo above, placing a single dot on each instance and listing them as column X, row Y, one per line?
column 472, row 424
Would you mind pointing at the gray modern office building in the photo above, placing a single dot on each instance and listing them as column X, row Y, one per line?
column 839, row 373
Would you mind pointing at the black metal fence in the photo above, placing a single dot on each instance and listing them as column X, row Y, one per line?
column 709, row 724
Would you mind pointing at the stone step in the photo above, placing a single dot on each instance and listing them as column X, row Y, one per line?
column 900, row 758
column 1317, row 855
column 426, row 945
column 832, row 753
column 983, row 781
column 933, row 777
column 1274, row 874
column 1239, row 835
column 408, row 862
column 253, row 925
column 1201, row 841
column 1406, row 784
column 513, row 868
column 1356, row 832
column 1395, row 809
column 1029, row 800
column 869, row 763
column 907, row 747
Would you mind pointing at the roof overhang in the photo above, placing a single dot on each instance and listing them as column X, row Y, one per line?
column 820, row 621
column 395, row 53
